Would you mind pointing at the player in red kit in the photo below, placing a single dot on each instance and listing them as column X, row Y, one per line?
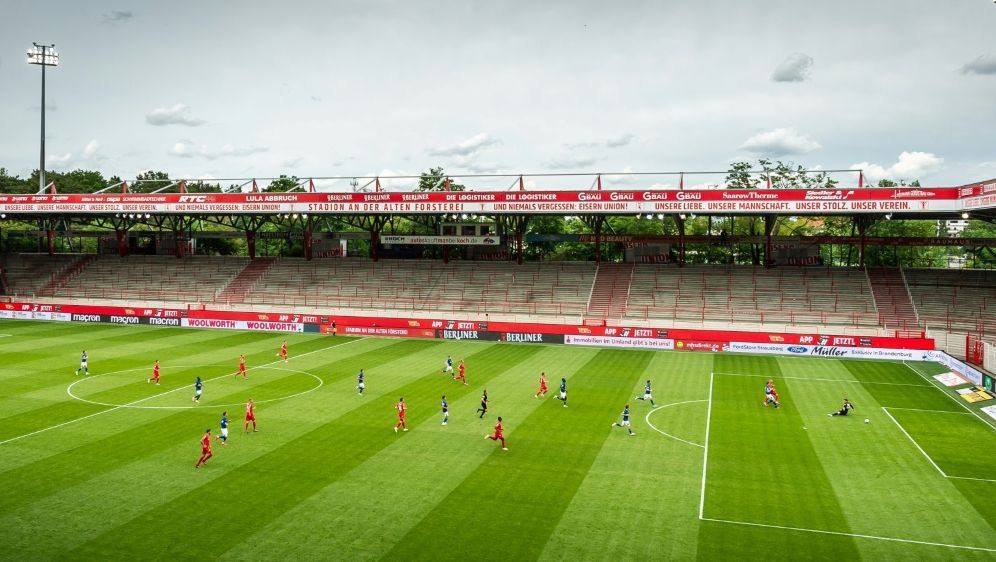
column 283, row 351
column 499, row 435
column 250, row 415
column 461, row 373
column 205, row 449
column 400, row 406
column 155, row 373
column 242, row 367
column 543, row 388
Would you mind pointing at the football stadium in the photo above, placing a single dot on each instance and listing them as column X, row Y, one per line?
column 225, row 356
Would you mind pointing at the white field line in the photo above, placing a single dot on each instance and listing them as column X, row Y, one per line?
column 855, row 535
column 661, row 407
column 934, row 383
column 886, row 410
column 931, row 411
column 915, row 444
column 69, row 389
column 129, row 404
column 705, row 448
column 971, row 478
column 6, row 335
column 827, row 380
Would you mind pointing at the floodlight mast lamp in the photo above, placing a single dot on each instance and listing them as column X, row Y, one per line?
column 42, row 55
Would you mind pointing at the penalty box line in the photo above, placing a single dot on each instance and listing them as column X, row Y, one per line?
column 924, row 453
column 129, row 404
column 854, row 535
column 814, row 379
column 933, row 382
column 705, row 461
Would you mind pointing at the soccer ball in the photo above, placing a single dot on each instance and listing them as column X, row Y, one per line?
column 867, row 420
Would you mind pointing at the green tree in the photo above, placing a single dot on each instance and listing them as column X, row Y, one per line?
column 782, row 175
column 149, row 181
column 435, row 180
column 283, row 183
column 14, row 184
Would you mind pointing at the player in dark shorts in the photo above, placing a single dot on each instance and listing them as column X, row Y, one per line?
column 847, row 407
column 484, row 404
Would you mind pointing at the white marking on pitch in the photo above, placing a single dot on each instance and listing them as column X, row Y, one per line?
column 919, row 448
column 934, row 383
column 855, row 535
column 115, row 408
column 827, row 380
column 705, row 460
column 661, row 407
column 705, row 448
column 69, row 390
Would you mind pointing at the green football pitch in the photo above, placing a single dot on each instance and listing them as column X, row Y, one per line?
column 102, row 467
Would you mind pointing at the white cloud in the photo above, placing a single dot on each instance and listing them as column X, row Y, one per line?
column 621, row 140
column 624, row 139
column 233, row 150
column 910, row 166
column 178, row 114
column 91, row 148
column 795, row 68
column 570, row 162
column 780, row 142
column 183, row 150
column 116, row 16
column 467, row 147
column 59, row 162
column 485, row 167
column 983, row 64
column 186, row 149
column 89, row 155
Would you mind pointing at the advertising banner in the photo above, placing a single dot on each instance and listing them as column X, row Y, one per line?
column 467, row 335
column 961, row 368
column 442, row 240
column 242, row 325
column 725, row 201
column 611, row 341
column 389, row 332
column 534, row 337
column 695, row 340
column 829, row 351
column 695, row 345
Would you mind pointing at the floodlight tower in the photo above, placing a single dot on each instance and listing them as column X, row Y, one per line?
column 42, row 55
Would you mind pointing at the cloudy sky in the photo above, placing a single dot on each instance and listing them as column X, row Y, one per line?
column 901, row 88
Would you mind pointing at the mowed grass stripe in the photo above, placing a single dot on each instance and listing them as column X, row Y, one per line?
column 122, row 497
column 551, row 453
column 139, row 348
column 96, row 457
column 49, row 405
column 372, row 507
column 77, row 436
column 760, row 458
column 641, row 494
column 926, row 397
column 304, row 466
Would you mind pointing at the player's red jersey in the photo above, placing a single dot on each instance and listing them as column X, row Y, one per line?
column 401, row 409
column 462, row 369
column 155, row 370
column 498, row 430
column 242, row 363
column 542, row 382
column 206, row 443
column 250, row 414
